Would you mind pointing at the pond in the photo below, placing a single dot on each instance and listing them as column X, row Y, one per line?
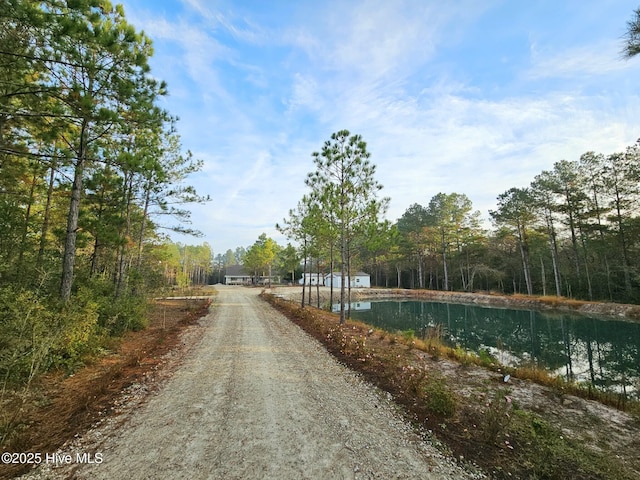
column 586, row 349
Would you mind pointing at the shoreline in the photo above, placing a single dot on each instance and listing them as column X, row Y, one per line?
column 618, row 311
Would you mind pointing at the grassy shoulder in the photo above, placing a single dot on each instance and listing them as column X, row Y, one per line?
column 58, row 405
column 513, row 429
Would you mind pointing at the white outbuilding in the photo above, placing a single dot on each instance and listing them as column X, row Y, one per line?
column 312, row 279
column 357, row 280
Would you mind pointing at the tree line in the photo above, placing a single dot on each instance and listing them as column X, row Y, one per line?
column 572, row 232
column 92, row 172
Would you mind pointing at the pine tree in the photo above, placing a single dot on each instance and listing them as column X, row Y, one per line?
column 344, row 184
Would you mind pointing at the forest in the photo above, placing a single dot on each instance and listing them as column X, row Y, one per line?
column 92, row 177
column 572, row 232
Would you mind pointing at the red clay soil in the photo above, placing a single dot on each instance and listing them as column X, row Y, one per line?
column 60, row 407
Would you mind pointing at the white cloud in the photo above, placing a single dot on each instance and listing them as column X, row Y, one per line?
column 304, row 93
column 479, row 147
column 257, row 94
column 374, row 39
column 594, row 59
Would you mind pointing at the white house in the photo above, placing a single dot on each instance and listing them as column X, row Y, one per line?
column 236, row 275
column 360, row 306
column 357, row 280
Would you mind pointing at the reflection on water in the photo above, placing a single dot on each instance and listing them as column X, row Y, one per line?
column 603, row 352
column 354, row 306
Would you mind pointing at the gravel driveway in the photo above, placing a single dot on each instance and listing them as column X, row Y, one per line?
column 256, row 398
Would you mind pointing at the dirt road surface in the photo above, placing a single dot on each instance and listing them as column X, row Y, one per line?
column 254, row 397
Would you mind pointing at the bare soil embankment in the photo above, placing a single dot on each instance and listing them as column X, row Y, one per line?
column 618, row 310
column 560, row 304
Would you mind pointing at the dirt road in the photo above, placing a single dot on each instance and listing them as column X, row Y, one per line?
column 256, row 398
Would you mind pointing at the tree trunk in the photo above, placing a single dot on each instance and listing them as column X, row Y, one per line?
column 69, row 255
column 554, row 261
column 349, row 280
column 45, row 221
column 96, row 243
column 526, row 264
column 343, row 265
column 444, row 263
column 310, row 273
column 318, row 282
column 143, row 224
column 332, row 266
column 25, row 230
column 122, row 250
column 304, row 270
column 623, row 243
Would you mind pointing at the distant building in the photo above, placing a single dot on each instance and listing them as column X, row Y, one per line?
column 312, row 279
column 236, row 275
column 357, row 280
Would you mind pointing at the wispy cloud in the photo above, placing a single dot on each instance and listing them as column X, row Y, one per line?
column 259, row 87
column 594, row 59
column 304, row 94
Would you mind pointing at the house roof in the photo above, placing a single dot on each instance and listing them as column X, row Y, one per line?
column 235, row 271
column 357, row 274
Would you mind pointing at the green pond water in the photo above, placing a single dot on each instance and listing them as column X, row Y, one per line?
column 586, row 349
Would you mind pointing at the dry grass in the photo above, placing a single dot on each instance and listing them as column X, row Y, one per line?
column 634, row 313
column 555, row 301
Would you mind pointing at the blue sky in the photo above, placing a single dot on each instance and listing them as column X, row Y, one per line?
column 459, row 96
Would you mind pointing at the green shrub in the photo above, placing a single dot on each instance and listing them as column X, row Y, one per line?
column 116, row 315
column 38, row 333
column 120, row 315
column 486, row 358
column 80, row 334
column 438, row 397
column 497, row 416
column 27, row 334
column 408, row 335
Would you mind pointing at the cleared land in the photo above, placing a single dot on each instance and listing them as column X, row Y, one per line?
column 255, row 397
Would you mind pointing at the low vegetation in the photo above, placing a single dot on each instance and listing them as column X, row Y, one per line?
column 57, row 406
